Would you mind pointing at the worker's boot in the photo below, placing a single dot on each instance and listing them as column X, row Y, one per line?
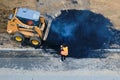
column 62, row 58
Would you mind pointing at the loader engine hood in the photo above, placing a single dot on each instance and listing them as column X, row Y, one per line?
column 28, row 14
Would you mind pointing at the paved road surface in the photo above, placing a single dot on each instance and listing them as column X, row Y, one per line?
column 62, row 75
column 50, row 68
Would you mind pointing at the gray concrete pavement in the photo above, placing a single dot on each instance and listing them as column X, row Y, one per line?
column 8, row 74
column 50, row 68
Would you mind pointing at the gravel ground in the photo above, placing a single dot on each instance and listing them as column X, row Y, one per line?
column 50, row 63
column 6, row 41
column 51, row 68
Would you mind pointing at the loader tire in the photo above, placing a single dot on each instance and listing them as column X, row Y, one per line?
column 18, row 37
column 35, row 41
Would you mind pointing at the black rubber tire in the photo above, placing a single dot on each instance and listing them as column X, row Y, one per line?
column 36, row 39
column 17, row 34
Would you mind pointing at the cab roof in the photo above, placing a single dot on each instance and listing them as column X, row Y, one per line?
column 28, row 14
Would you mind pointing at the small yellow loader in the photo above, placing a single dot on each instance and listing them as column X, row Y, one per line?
column 25, row 23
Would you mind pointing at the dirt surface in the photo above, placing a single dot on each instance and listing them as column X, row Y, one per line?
column 109, row 8
column 3, row 19
column 6, row 41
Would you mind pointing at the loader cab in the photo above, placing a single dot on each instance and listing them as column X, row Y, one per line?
column 29, row 21
column 28, row 17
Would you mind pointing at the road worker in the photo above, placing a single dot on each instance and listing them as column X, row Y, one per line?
column 64, row 52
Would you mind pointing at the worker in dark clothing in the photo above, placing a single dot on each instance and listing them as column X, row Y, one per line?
column 64, row 52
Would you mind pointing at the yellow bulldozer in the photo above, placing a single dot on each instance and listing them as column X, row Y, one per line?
column 26, row 23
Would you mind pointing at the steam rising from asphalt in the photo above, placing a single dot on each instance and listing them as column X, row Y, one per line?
column 81, row 30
